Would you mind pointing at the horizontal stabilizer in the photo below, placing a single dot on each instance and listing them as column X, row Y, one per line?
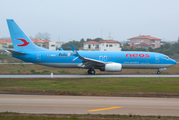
column 15, row 52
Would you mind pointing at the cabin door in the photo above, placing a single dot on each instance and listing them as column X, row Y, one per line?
column 157, row 60
column 38, row 57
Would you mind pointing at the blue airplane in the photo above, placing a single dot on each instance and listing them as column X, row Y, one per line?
column 113, row 61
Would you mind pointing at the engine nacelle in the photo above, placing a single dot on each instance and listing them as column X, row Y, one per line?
column 112, row 67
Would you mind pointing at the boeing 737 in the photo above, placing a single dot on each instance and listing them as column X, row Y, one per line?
column 109, row 61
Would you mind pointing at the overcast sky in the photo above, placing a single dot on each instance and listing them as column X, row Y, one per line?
column 76, row 19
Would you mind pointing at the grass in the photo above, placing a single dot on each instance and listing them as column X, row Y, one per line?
column 94, row 86
column 23, row 116
column 38, row 69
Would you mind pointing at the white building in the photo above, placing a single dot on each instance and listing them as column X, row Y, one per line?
column 52, row 46
column 103, row 45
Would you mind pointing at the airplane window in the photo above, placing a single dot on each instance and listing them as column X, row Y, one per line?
column 95, row 57
column 165, row 57
column 58, row 56
column 67, row 57
column 72, row 57
column 111, row 57
column 116, row 57
column 144, row 58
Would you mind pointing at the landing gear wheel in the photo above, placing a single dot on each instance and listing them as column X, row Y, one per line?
column 91, row 71
column 158, row 72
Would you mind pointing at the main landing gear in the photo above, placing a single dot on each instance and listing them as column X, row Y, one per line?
column 91, row 71
column 158, row 72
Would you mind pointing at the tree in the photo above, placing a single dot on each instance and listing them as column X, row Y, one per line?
column 178, row 39
column 40, row 35
column 82, row 40
column 88, row 39
column 76, row 45
column 98, row 39
column 167, row 46
column 168, row 52
column 126, row 44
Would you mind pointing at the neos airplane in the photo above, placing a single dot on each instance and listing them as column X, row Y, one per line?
column 115, row 61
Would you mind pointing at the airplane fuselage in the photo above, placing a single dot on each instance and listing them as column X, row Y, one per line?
column 128, row 59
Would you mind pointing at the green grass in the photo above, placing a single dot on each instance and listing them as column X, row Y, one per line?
column 25, row 116
column 94, row 86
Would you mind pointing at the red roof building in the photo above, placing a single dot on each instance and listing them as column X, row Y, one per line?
column 145, row 41
column 5, row 43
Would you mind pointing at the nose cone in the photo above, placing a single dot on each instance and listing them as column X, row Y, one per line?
column 173, row 62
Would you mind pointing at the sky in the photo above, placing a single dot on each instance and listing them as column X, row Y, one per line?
column 68, row 20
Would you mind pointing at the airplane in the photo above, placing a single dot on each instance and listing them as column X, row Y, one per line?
column 109, row 61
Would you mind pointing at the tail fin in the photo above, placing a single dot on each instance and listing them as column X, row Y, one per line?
column 20, row 40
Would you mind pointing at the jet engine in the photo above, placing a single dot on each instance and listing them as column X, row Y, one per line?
column 112, row 67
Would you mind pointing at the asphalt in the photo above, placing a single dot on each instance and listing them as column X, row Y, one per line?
column 88, row 104
column 84, row 75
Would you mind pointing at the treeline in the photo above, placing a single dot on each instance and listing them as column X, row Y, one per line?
column 78, row 44
column 166, row 49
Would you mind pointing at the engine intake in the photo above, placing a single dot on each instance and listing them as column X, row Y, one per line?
column 112, row 67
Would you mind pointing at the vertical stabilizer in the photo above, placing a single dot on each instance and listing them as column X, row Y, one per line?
column 20, row 40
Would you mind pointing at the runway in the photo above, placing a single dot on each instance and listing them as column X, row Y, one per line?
column 89, row 104
column 84, row 75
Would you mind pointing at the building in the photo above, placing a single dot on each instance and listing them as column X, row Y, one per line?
column 145, row 41
column 45, row 43
column 102, row 45
column 5, row 43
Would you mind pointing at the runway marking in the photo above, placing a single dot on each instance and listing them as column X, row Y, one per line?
column 104, row 109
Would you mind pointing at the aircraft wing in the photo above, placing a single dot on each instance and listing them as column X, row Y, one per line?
column 87, row 62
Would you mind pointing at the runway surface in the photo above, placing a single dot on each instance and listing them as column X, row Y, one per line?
column 87, row 104
column 83, row 75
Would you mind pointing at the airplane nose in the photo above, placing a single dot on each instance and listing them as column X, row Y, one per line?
column 173, row 62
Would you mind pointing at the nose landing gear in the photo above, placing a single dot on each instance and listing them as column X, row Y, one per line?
column 91, row 71
column 158, row 72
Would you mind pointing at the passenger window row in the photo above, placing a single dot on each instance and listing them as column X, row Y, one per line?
column 58, row 57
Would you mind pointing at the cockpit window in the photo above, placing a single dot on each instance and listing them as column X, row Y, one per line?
column 166, row 58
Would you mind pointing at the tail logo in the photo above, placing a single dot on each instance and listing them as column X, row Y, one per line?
column 25, row 43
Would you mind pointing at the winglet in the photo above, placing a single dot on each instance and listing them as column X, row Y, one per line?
column 61, row 48
column 74, row 51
